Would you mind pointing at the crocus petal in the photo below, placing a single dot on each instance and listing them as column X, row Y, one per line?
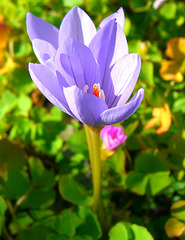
column 123, row 76
column 78, row 65
column 119, row 16
column 108, row 45
column 40, row 29
column 44, row 52
column 47, row 83
column 118, row 114
column 84, row 106
column 78, row 25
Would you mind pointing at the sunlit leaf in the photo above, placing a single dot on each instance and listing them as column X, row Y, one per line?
column 118, row 232
column 168, row 10
column 73, row 192
column 161, row 115
column 8, row 102
column 178, row 210
column 40, row 175
column 174, row 228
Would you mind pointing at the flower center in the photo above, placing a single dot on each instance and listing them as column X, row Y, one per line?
column 98, row 92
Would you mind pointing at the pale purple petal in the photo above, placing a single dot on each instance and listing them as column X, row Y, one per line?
column 118, row 114
column 78, row 25
column 84, row 106
column 123, row 76
column 119, row 16
column 37, row 28
column 44, row 52
column 108, row 45
column 78, row 66
column 47, row 83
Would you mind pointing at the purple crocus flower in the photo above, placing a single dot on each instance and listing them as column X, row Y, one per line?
column 112, row 137
column 87, row 73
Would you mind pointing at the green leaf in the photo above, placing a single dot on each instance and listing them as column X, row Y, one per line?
column 3, row 207
column 178, row 210
column 154, row 97
column 140, row 232
column 16, row 183
column 129, row 130
column 82, row 238
column 39, row 199
column 19, row 80
column 89, row 224
column 21, row 129
column 151, row 162
column 41, row 214
column 73, row 192
column 128, row 231
column 24, row 105
column 137, row 182
column 134, row 46
column 57, row 237
column 72, row 3
column 77, row 142
column 147, row 72
column 34, row 233
column 151, row 174
column 64, row 223
column 8, row 102
column 22, row 49
column 40, row 175
column 140, row 5
column 118, row 232
column 47, row 137
column 11, row 157
column 176, row 143
column 158, row 181
column 24, row 221
column 94, row 6
column 179, row 105
column 168, row 10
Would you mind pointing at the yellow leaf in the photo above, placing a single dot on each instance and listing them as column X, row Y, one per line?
column 174, row 228
column 169, row 71
column 176, row 49
column 151, row 123
column 4, row 33
column 165, row 120
column 161, row 115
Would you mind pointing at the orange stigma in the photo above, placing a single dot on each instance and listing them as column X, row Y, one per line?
column 98, row 92
column 96, row 89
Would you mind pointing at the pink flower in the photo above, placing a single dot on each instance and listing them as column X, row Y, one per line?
column 112, row 137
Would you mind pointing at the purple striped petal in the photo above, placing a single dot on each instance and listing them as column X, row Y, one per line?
column 77, row 25
column 44, row 52
column 119, row 16
column 108, row 45
column 85, row 107
column 78, row 66
column 37, row 28
column 47, row 83
column 123, row 76
column 118, row 114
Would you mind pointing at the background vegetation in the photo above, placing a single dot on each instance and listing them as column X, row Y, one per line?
column 45, row 179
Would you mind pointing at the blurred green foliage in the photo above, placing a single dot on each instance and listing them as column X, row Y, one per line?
column 45, row 178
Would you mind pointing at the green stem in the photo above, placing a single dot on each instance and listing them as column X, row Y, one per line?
column 93, row 140
column 95, row 137
column 90, row 147
column 17, row 225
